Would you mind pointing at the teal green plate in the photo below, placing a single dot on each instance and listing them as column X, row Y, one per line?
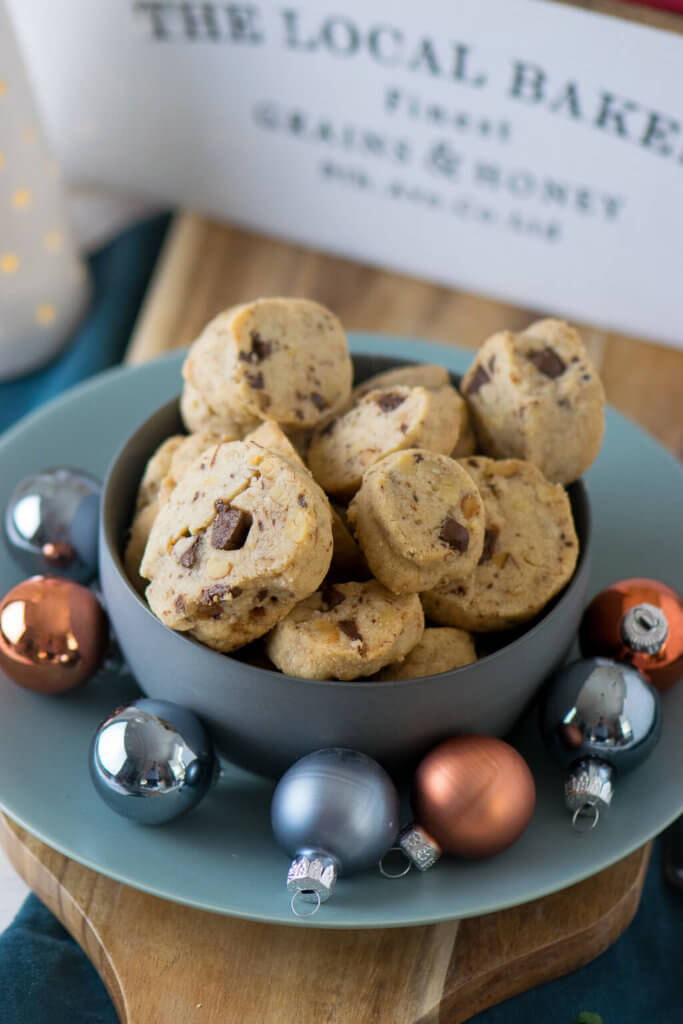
column 222, row 857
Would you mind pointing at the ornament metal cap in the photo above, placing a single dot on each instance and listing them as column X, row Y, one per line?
column 419, row 847
column 588, row 790
column 645, row 628
column 312, row 877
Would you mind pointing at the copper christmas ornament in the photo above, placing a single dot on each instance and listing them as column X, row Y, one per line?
column 53, row 634
column 638, row 622
column 472, row 796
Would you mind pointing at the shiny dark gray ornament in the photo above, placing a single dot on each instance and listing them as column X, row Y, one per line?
column 152, row 761
column 335, row 811
column 600, row 719
column 51, row 523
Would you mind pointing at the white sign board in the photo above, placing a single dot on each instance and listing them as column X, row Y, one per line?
column 527, row 150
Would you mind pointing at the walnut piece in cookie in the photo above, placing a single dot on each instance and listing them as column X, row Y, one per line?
column 243, row 537
column 440, row 649
column 281, row 359
column 530, row 550
column 382, row 422
column 345, row 631
column 419, row 519
column 536, row 396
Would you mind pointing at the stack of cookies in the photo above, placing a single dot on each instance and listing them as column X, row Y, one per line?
column 329, row 521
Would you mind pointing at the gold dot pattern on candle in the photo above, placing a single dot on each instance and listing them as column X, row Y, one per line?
column 52, row 240
column 45, row 313
column 40, row 299
column 9, row 263
column 21, row 198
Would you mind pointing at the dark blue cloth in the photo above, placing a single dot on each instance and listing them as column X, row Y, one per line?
column 636, row 981
column 44, row 976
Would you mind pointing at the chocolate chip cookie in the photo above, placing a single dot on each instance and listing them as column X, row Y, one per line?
column 425, row 375
column 271, row 436
column 199, row 416
column 280, row 359
column 346, row 631
column 347, row 558
column 243, row 537
column 530, row 550
column 419, row 520
column 147, row 506
column 185, row 455
column 382, row 422
column 156, row 471
column 166, row 467
column 440, row 649
column 536, row 396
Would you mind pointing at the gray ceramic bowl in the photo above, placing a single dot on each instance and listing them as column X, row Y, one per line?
column 264, row 720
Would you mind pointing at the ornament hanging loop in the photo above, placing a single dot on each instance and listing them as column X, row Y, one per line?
column 644, row 628
column 587, row 813
column 394, row 874
column 308, row 896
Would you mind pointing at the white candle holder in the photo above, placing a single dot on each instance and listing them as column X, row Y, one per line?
column 44, row 285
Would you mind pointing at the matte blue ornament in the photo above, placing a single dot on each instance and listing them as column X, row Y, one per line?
column 335, row 811
column 600, row 719
column 152, row 761
column 51, row 524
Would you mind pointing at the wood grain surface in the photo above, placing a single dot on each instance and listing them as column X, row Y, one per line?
column 167, row 964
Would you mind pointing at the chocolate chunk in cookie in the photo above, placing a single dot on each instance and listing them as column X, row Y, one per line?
column 230, row 527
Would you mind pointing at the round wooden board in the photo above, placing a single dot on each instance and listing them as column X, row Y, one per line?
column 164, row 963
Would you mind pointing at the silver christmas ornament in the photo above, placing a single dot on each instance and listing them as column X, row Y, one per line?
column 335, row 811
column 600, row 719
column 152, row 761
column 51, row 524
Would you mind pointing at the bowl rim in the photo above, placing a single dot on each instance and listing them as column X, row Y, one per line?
column 109, row 542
